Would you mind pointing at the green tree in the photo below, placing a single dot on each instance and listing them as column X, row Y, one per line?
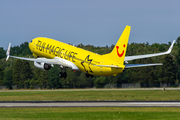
column 43, row 79
column 2, row 53
column 83, row 81
column 24, row 48
column 17, row 68
column 36, row 73
column 168, row 71
column 7, row 80
column 1, row 75
column 26, row 74
column 53, row 77
column 100, row 82
column 178, row 58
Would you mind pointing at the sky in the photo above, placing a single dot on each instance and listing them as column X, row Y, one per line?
column 90, row 22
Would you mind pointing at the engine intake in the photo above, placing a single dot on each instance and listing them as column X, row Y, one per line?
column 43, row 66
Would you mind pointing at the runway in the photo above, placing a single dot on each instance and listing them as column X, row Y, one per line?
column 90, row 104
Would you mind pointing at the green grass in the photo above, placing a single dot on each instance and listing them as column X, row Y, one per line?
column 70, row 95
column 90, row 113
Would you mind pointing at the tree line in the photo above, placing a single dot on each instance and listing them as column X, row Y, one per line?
column 23, row 74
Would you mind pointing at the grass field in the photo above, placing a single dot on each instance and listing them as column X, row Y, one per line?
column 95, row 95
column 90, row 113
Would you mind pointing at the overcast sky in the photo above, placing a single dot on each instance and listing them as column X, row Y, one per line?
column 94, row 22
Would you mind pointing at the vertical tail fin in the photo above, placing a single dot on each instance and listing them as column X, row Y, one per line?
column 119, row 51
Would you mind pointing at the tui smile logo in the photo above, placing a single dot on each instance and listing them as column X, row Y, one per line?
column 120, row 55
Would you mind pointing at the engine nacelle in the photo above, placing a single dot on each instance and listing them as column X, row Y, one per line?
column 43, row 66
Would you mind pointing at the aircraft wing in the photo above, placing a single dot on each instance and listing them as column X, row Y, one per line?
column 128, row 58
column 56, row 60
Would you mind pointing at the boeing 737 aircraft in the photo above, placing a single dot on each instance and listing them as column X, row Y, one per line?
column 50, row 52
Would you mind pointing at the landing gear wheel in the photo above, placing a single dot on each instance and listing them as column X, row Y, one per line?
column 62, row 75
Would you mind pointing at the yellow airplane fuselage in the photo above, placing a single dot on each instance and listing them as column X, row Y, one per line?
column 85, row 60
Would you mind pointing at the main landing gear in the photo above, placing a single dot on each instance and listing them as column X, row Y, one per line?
column 62, row 74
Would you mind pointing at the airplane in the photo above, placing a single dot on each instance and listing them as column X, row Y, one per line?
column 50, row 52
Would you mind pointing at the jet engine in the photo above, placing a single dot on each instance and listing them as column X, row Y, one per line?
column 41, row 65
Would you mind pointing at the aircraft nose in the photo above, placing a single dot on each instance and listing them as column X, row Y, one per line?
column 31, row 46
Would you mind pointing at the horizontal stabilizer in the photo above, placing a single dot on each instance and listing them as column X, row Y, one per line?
column 141, row 65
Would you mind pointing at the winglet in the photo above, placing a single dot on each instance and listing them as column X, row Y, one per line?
column 170, row 48
column 8, row 52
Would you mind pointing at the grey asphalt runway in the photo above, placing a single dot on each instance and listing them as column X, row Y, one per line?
column 90, row 104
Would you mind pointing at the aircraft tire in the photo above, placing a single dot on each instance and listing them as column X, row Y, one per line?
column 60, row 75
column 64, row 75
